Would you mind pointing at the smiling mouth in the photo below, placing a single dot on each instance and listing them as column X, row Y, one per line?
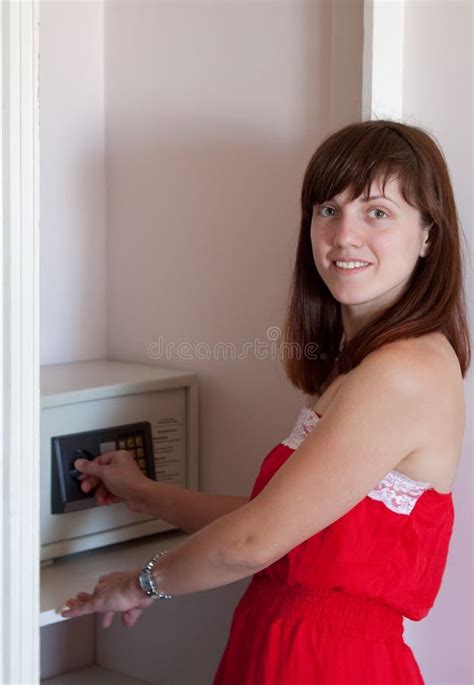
column 348, row 270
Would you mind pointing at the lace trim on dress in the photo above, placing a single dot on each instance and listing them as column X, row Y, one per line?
column 306, row 421
column 399, row 492
column 396, row 490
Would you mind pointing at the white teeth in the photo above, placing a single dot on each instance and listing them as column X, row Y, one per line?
column 351, row 265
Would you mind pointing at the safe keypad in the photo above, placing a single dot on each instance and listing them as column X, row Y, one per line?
column 134, row 443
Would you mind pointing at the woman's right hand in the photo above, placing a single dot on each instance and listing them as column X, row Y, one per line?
column 116, row 477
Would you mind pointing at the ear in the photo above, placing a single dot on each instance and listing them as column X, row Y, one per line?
column 426, row 242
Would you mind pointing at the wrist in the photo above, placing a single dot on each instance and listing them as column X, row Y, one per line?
column 141, row 501
column 133, row 586
column 149, row 580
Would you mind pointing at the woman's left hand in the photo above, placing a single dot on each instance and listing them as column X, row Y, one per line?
column 114, row 593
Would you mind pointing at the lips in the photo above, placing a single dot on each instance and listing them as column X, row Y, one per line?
column 348, row 272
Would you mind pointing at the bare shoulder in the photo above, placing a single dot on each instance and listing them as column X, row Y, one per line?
column 433, row 364
column 429, row 358
column 400, row 367
column 428, row 366
column 423, row 373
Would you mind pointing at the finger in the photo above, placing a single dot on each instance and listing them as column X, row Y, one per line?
column 75, row 608
column 130, row 617
column 84, row 595
column 100, row 494
column 90, row 468
column 105, row 458
column 88, row 482
column 104, row 496
column 80, row 598
column 107, row 619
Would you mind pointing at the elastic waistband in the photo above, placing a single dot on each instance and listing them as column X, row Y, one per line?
column 330, row 610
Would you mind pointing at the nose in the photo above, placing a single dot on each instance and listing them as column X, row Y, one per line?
column 346, row 230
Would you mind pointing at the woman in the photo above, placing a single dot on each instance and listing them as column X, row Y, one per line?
column 352, row 532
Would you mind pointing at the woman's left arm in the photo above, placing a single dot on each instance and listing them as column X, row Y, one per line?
column 213, row 556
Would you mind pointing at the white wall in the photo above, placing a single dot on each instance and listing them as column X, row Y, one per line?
column 438, row 94
column 72, row 178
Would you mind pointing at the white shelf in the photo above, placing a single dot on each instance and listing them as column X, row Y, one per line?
column 67, row 576
column 102, row 378
column 93, row 675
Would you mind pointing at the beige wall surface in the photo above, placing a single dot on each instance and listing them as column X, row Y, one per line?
column 72, row 181
column 212, row 113
column 438, row 95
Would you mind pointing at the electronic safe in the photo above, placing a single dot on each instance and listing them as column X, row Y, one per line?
column 92, row 407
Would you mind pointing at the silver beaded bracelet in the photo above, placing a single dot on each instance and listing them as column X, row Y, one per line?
column 147, row 582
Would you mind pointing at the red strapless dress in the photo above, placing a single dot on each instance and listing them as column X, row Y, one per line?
column 330, row 612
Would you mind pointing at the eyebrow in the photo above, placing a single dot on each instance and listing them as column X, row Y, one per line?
column 377, row 197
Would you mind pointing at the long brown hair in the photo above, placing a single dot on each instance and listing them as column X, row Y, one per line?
column 352, row 157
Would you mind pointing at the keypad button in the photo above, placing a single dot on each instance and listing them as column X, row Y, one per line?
column 130, row 442
column 142, row 463
column 140, row 452
column 139, row 440
column 122, row 445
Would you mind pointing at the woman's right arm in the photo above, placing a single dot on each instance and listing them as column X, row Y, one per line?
column 116, row 477
column 189, row 510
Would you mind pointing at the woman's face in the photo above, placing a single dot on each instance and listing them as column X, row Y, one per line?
column 385, row 232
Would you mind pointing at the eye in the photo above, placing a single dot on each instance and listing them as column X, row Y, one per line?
column 382, row 214
column 326, row 207
column 377, row 209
